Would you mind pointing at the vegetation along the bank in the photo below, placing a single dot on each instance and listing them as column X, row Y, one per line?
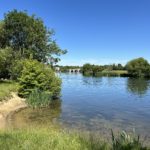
column 135, row 68
column 138, row 67
column 6, row 87
column 27, row 52
column 48, row 139
column 27, row 57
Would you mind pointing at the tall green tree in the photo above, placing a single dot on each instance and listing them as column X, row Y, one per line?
column 2, row 34
column 87, row 68
column 6, row 60
column 138, row 67
column 27, row 35
column 96, row 69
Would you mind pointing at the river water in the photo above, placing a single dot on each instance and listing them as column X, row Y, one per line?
column 94, row 104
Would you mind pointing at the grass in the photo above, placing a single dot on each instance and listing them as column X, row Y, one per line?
column 115, row 73
column 6, row 87
column 48, row 139
column 111, row 73
column 43, row 139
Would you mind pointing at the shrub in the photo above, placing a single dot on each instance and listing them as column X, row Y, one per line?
column 16, row 69
column 40, row 76
column 138, row 67
column 5, row 62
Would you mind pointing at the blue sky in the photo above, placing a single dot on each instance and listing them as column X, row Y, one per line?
column 94, row 31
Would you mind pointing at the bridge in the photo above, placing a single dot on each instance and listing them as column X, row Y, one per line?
column 75, row 70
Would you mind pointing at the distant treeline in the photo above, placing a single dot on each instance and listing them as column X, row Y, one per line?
column 66, row 68
column 138, row 67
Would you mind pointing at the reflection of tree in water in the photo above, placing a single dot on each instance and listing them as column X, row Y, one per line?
column 38, row 116
column 138, row 86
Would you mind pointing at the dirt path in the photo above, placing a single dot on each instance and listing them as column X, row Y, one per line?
column 6, row 107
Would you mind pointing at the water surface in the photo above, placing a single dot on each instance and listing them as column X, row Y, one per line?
column 95, row 105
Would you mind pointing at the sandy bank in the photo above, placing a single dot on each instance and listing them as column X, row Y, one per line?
column 6, row 107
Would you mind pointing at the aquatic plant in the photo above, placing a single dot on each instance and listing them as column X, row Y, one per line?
column 39, row 98
column 125, row 141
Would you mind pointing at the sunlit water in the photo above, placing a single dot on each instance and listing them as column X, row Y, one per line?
column 95, row 105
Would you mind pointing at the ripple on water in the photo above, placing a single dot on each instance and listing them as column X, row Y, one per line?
column 96, row 105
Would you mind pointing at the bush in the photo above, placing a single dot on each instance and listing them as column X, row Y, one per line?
column 16, row 69
column 40, row 76
column 138, row 67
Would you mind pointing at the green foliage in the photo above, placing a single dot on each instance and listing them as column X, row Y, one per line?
column 6, row 60
column 50, row 139
column 6, row 87
column 125, row 141
column 28, row 35
column 96, row 69
column 106, row 70
column 39, row 98
column 114, row 73
column 47, row 139
column 16, row 69
column 2, row 34
column 89, row 69
column 138, row 67
column 40, row 76
column 135, row 68
column 117, row 67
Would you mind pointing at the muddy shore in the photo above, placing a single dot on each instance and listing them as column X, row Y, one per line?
column 9, row 106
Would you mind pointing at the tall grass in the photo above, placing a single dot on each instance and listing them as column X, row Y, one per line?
column 114, row 73
column 39, row 98
column 125, row 141
column 6, row 87
column 48, row 139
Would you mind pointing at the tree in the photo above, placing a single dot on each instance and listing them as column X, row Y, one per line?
column 138, row 67
column 2, row 34
column 5, row 62
column 96, row 69
column 117, row 67
column 36, row 75
column 87, row 68
column 120, row 67
column 28, row 35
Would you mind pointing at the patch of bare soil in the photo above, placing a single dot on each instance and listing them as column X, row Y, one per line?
column 7, row 107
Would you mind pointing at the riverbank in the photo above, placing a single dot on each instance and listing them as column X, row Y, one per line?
column 107, row 73
column 8, row 106
column 50, row 139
